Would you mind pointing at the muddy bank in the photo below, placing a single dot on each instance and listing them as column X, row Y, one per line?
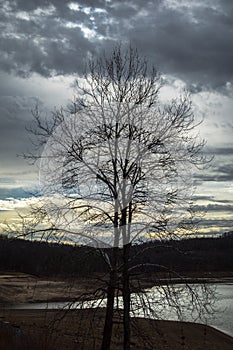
column 16, row 288
column 82, row 329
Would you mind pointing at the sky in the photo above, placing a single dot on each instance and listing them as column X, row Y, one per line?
column 45, row 44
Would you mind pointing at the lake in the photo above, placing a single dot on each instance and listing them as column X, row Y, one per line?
column 222, row 317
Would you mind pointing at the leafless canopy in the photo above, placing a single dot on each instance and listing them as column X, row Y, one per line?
column 116, row 165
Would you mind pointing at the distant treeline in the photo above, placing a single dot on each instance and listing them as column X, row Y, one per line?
column 43, row 258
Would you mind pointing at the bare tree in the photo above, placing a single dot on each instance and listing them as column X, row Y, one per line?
column 116, row 167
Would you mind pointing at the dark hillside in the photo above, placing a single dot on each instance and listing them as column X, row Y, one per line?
column 42, row 258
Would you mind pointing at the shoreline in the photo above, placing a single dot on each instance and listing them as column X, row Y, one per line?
column 83, row 329
column 18, row 288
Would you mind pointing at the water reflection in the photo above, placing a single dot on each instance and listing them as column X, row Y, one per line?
column 176, row 303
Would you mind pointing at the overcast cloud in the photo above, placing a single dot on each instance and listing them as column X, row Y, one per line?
column 190, row 39
column 45, row 44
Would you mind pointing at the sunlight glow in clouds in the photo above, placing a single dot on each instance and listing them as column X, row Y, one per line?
column 45, row 45
column 14, row 204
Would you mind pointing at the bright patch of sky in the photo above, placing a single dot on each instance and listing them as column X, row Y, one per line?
column 88, row 33
column 87, row 10
column 48, row 44
column 32, row 15
column 181, row 4
column 13, row 203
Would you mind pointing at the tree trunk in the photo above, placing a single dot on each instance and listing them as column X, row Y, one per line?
column 107, row 334
column 126, row 296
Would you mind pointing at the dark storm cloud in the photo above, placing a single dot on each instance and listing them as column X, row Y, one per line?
column 221, row 223
column 48, row 37
column 222, row 151
column 216, row 173
column 197, row 47
column 39, row 41
column 214, row 208
column 15, row 112
column 211, row 199
column 17, row 193
column 220, row 167
column 226, row 172
column 203, row 198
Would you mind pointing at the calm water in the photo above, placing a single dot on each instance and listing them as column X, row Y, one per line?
column 222, row 318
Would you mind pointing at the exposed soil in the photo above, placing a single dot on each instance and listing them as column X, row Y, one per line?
column 16, row 288
column 82, row 329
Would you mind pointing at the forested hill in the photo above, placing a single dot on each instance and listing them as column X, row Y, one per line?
column 42, row 258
